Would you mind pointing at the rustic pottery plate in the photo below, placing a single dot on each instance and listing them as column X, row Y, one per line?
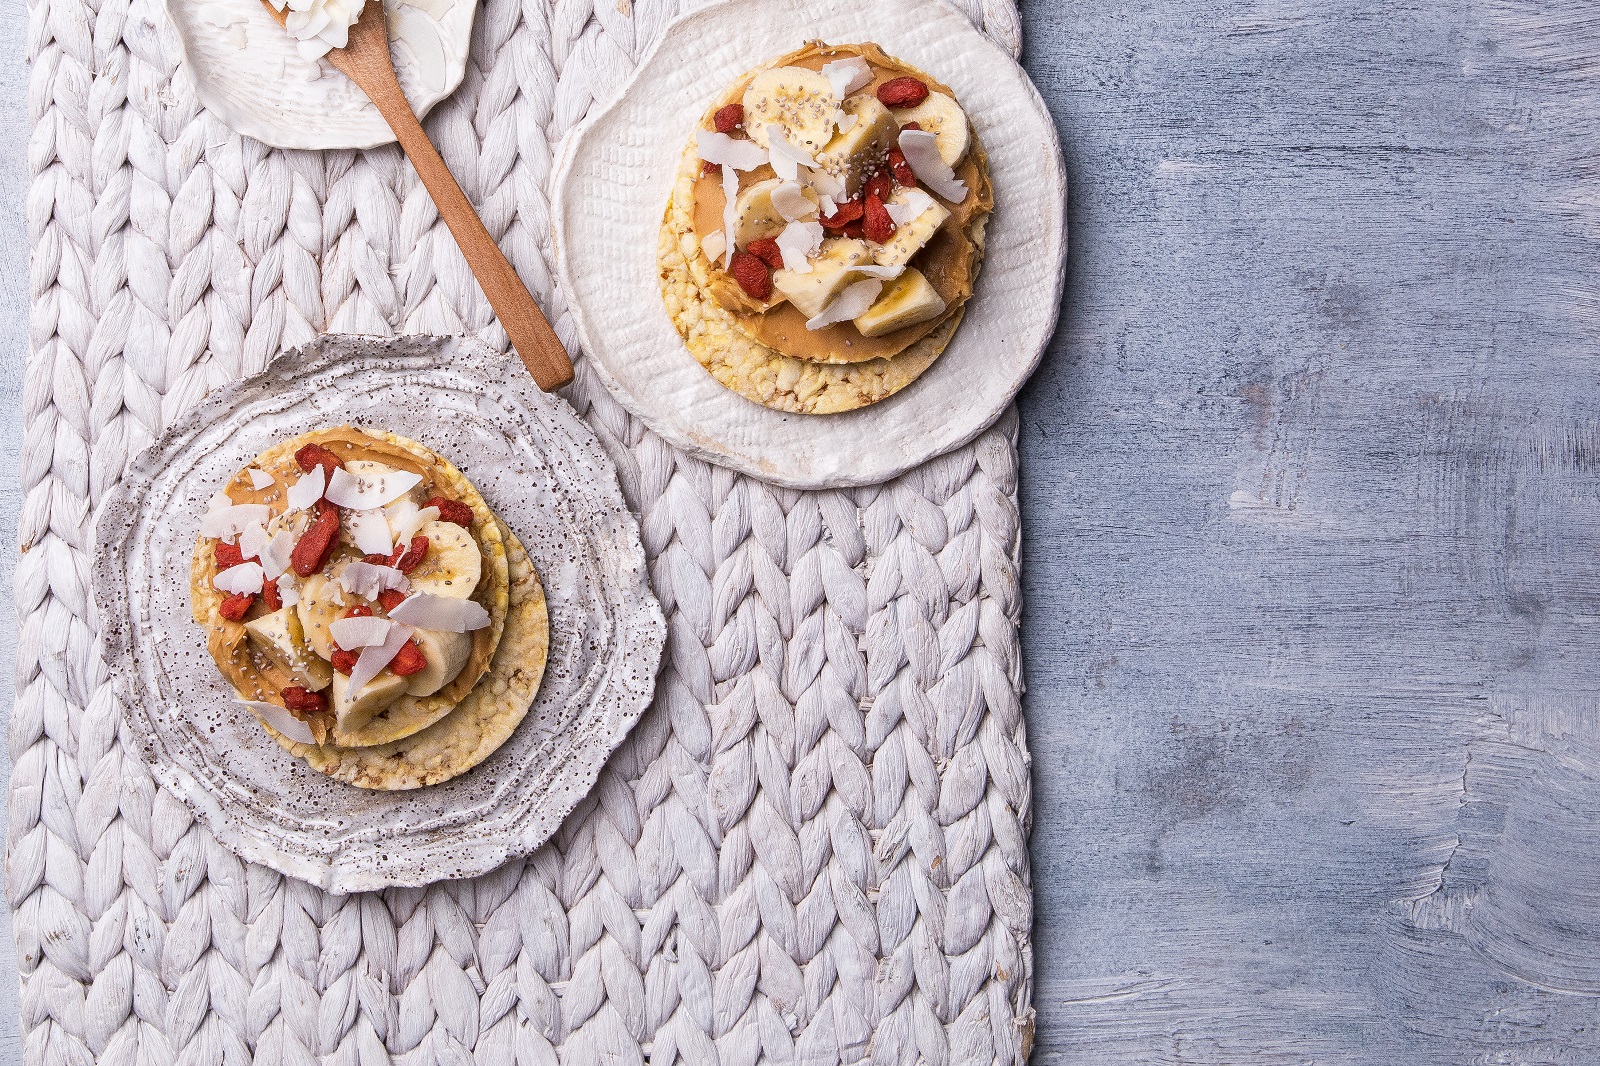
column 614, row 174
column 542, row 472
column 247, row 71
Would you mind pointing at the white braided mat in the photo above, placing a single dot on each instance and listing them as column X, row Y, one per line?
column 812, row 848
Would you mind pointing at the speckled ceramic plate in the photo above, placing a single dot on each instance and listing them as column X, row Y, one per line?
column 247, row 71
column 613, row 177
column 547, row 478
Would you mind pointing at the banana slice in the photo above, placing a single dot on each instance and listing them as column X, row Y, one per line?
column 941, row 116
column 909, row 237
column 815, row 289
column 800, row 101
column 855, row 155
column 446, row 653
column 905, row 301
column 376, row 695
column 321, row 601
column 754, row 216
column 281, row 639
column 453, row 565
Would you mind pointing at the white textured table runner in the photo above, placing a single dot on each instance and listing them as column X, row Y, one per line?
column 813, row 848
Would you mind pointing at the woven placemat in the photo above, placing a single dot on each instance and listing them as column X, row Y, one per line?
column 813, row 847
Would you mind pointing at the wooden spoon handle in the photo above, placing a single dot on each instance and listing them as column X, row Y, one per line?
column 513, row 304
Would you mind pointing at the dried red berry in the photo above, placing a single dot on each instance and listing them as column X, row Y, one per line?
column 453, row 511
column 273, row 598
column 234, row 607
column 844, row 213
column 879, row 185
column 390, row 599
column 766, row 249
column 312, row 456
column 752, row 275
column 360, row 610
column 304, row 700
column 902, row 92
column 876, row 225
column 312, row 549
column 227, row 555
column 912, row 126
column 901, row 169
column 708, row 167
column 344, row 661
column 854, row 230
column 729, row 118
column 408, row 660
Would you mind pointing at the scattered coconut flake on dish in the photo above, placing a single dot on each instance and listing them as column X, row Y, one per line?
column 370, row 531
column 361, row 578
column 240, row 579
column 916, row 202
column 277, row 555
column 218, row 502
column 715, row 245
column 288, row 591
column 281, row 721
column 307, row 490
column 352, row 633
column 792, row 202
column 921, row 150
column 847, row 75
column 372, row 660
column 260, row 479
column 252, row 542
column 786, row 158
column 442, row 614
column 730, row 213
column 319, row 26
column 363, row 494
column 405, row 518
column 229, row 522
column 851, row 303
column 798, row 242
column 727, row 151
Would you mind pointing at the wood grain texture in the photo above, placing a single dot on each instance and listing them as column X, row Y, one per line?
column 1310, row 486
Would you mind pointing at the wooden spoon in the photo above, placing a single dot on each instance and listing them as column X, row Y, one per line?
column 365, row 60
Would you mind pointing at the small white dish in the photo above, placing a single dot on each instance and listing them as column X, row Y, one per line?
column 613, row 177
column 247, row 71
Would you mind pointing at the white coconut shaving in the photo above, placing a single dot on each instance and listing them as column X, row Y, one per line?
column 798, row 242
column 229, row 522
column 276, row 556
column 786, row 158
column 319, row 26
column 372, row 660
column 353, row 633
column 307, row 490
column 921, row 150
column 361, row 578
column 236, row 580
column 851, row 303
column 365, row 492
column 715, row 245
column 883, row 272
column 370, row 532
column 847, row 75
column 218, row 502
column 727, row 151
column 730, row 213
column 792, row 202
column 252, row 542
column 442, row 614
column 913, row 204
column 288, row 591
column 405, row 518
column 281, row 721
column 260, row 479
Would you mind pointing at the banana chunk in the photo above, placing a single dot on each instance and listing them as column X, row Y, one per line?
column 830, row 272
column 909, row 237
column 905, row 301
column 281, row 639
column 350, row 714
column 754, row 215
column 321, row 601
column 446, row 654
column 941, row 116
column 453, row 565
column 800, row 101
column 855, row 155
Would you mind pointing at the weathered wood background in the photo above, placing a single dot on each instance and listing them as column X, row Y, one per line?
column 1311, row 530
column 1311, row 527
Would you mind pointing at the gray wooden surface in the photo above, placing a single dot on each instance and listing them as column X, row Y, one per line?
column 1311, row 485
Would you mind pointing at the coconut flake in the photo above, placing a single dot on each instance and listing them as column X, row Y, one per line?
column 372, row 660
column 308, row 489
column 730, row 214
column 883, row 272
column 361, row 578
column 370, row 531
column 275, row 557
column 229, row 522
column 259, row 479
column 405, row 518
column 792, row 202
column 376, row 490
column 288, row 591
column 850, row 303
column 281, row 721
column 352, row 633
column 442, row 614
column 246, row 577
column 786, row 158
column 843, row 122
column 914, row 203
column 727, row 151
column 798, row 242
column 715, row 245
column 218, row 502
column 252, row 542
column 847, row 75
column 921, row 150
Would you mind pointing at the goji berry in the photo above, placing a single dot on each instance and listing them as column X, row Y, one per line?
column 902, row 92
column 312, row 549
column 877, row 226
column 344, row 661
column 901, row 169
column 752, row 275
column 408, row 559
column 360, row 610
column 234, row 607
column 844, row 213
column 311, row 456
column 453, row 511
column 390, row 599
column 273, row 598
column 227, row 555
column 766, row 249
column 729, row 118
column 879, row 185
column 300, row 699
column 408, row 660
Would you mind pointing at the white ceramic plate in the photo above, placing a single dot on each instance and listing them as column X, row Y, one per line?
column 613, row 177
column 247, row 72
column 542, row 472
